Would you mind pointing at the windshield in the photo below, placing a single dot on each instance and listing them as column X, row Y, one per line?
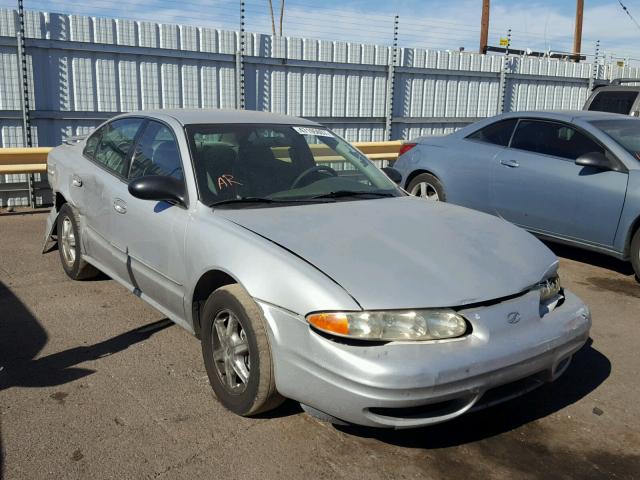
column 241, row 164
column 626, row 132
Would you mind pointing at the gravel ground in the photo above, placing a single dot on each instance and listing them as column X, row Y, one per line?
column 96, row 384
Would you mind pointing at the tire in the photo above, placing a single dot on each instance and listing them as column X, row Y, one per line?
column 428, row 187
column 68, row 233
column 256, row 392
column 634, row 252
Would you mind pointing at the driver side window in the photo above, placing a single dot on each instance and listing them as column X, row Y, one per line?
column 156, row 153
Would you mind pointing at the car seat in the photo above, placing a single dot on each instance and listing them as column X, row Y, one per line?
column 218, row 164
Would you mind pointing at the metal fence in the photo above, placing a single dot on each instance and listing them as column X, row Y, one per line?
column 82, row 70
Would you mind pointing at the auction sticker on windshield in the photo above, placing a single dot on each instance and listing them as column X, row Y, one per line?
column 318, row 132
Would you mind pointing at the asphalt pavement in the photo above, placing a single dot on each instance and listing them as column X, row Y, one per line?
column 95, row 384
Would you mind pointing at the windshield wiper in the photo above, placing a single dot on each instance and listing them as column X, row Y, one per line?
column 249, row 200
column 353, row 193
column 242, row 200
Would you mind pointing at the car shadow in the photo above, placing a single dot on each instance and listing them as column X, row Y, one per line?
column 22, row 338
column 590, row 257
column 287, row 409
column 588, row 370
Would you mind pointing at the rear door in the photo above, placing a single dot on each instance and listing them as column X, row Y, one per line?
column 537, row 184
column 149, row 236
column 106, row 155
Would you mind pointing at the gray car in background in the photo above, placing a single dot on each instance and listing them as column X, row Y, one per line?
column 307, row 273
column 567, row 176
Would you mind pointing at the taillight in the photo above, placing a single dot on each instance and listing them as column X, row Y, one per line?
column 406, row 147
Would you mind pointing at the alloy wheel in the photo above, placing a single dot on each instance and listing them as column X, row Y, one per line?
column 425, row 190
column 68, row 241
column 231, row 352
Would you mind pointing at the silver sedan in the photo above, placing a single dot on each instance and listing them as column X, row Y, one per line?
column 307, row 273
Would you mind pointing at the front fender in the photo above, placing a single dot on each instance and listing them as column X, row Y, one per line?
column 267, row 271
column 630, row 215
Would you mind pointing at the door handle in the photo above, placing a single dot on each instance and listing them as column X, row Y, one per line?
column 76, row 181
column 510, row 163
column 119, row 206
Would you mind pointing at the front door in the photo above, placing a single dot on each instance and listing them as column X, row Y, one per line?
column 150, row 235
column 537, row 184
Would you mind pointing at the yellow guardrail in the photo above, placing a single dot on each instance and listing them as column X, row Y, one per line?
column 34, row 160
column 24, row 160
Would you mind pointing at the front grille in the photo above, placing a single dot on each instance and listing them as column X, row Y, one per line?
column 510, row 390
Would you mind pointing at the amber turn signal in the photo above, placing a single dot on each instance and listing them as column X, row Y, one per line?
column 330, row 322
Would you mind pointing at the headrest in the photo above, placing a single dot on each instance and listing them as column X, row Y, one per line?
column 167, row 158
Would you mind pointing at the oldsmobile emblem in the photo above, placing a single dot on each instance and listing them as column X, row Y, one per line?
column 514, row 317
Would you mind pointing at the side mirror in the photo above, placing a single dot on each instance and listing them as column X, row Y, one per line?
column 594, row 160
column 158, row 188
column 393, row 174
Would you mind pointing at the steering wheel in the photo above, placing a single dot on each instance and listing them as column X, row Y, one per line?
column 309, row 171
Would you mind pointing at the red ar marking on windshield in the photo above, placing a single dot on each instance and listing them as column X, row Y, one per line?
column 226, row 180
column 638, row 155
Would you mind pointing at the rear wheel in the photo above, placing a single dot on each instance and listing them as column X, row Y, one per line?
column 68, row 231
column 635, row 253
column 236, row 352
column 427, row 186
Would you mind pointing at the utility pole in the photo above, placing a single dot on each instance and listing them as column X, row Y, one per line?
column 281, row 15
column 273, row 22
column 484, row 26
column 577, row 36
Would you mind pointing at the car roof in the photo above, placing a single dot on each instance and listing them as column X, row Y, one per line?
column 567, row 115
column 187, row 116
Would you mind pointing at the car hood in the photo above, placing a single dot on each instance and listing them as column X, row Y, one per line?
column 405, row 252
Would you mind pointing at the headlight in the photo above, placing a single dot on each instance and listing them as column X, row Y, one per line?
column 549, row 289
column 550, row 295
column 391, row 325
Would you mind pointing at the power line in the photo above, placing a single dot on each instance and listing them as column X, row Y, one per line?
column 626, row 10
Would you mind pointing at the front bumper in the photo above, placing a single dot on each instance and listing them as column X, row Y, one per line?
column 413, row 384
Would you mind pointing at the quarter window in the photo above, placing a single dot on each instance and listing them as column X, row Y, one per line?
column 156, row 153
column 498, row 133
column 556, row 139
column 115, row 143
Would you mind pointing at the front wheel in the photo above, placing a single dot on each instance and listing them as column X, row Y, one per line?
column 236, row 352
column 427, row 186
column 634, row 252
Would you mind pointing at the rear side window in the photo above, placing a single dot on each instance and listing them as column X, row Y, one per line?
column 115, row 143
column 92, row 142
column 614, row 102
column 556, row 139
column 156, row 153
column 498, row 133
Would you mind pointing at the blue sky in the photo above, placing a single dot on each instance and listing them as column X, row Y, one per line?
column 537, row 24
